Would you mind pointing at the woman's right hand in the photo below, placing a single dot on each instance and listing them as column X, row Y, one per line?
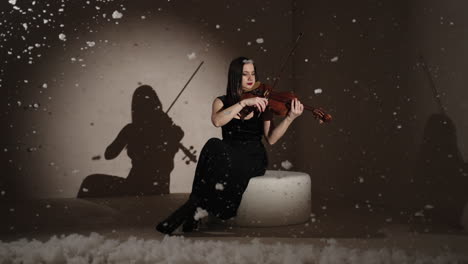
column 259, row 102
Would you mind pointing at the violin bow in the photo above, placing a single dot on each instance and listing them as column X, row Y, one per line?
column 185, row 86
column 431, row 81
column 286, row 60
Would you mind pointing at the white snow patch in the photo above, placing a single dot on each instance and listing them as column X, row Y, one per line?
column 286, row 165
column 117, row 15
column 200, row 213
column 96, row 248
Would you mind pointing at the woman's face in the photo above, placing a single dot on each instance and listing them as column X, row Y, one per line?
column 248, row 76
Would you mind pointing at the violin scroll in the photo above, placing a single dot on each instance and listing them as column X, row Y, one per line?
column 320, row 114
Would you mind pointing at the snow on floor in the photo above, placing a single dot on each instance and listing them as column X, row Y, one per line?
column 96, row 248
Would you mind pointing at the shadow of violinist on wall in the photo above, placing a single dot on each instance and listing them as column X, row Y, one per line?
column 151, row 140
column 441, row 173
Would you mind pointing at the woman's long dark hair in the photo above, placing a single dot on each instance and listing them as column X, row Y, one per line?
column 234, row 85
column 146, row 106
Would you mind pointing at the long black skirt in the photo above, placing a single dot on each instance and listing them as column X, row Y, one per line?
column 223, row 173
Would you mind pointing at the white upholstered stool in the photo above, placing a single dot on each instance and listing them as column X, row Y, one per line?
column 275, row 199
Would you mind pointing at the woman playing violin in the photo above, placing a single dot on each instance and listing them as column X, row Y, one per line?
column 226, row 166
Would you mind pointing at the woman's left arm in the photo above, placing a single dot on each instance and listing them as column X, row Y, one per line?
column 273, row 133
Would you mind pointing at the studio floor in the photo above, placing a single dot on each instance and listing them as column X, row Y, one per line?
column 119, row 218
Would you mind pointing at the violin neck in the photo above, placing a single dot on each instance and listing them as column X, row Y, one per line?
column 310, row 108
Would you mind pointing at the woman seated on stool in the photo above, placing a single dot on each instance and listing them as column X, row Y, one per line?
column 226, row 166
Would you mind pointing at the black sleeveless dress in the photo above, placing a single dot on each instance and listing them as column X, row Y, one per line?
column 226, row 166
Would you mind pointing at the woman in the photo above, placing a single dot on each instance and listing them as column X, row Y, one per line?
column 226, row 166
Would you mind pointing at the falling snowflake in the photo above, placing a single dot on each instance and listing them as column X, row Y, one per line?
column 192, row 56
column 419, row 213
column 334, row 59
column 62, row 37
column 25, row 25
column 219, row 187
column 259, row 40
column 286, row 165
column 361, row 179
column 85, row 190
column 13, row 2
column 200, row 213
column 318, row 91
column 117, row 15
column 428, row 207
column 90, row 43
column 44, row 86
column 218, row 26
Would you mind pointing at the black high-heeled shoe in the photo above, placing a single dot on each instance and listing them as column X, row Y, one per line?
column 181, row 215
column 190, row 224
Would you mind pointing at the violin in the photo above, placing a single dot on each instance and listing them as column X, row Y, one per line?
column 280, row 102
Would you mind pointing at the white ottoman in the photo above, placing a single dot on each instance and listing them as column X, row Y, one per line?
column 278, row 198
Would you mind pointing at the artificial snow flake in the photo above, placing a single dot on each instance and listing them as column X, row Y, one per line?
column 192, row 56
column 62, row 37
column 419, row 213
column 318, row 91
column 286, row 164
column 200, row 213
column 219, row 187
column 117, row 15
column 259, row 40
column 334, row 59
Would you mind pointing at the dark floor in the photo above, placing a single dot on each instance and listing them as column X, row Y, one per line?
column 121, row 217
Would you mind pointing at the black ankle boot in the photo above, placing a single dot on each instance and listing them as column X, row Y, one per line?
column 184, row 213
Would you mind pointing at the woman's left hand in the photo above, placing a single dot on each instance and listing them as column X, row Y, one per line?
column 296, row 109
